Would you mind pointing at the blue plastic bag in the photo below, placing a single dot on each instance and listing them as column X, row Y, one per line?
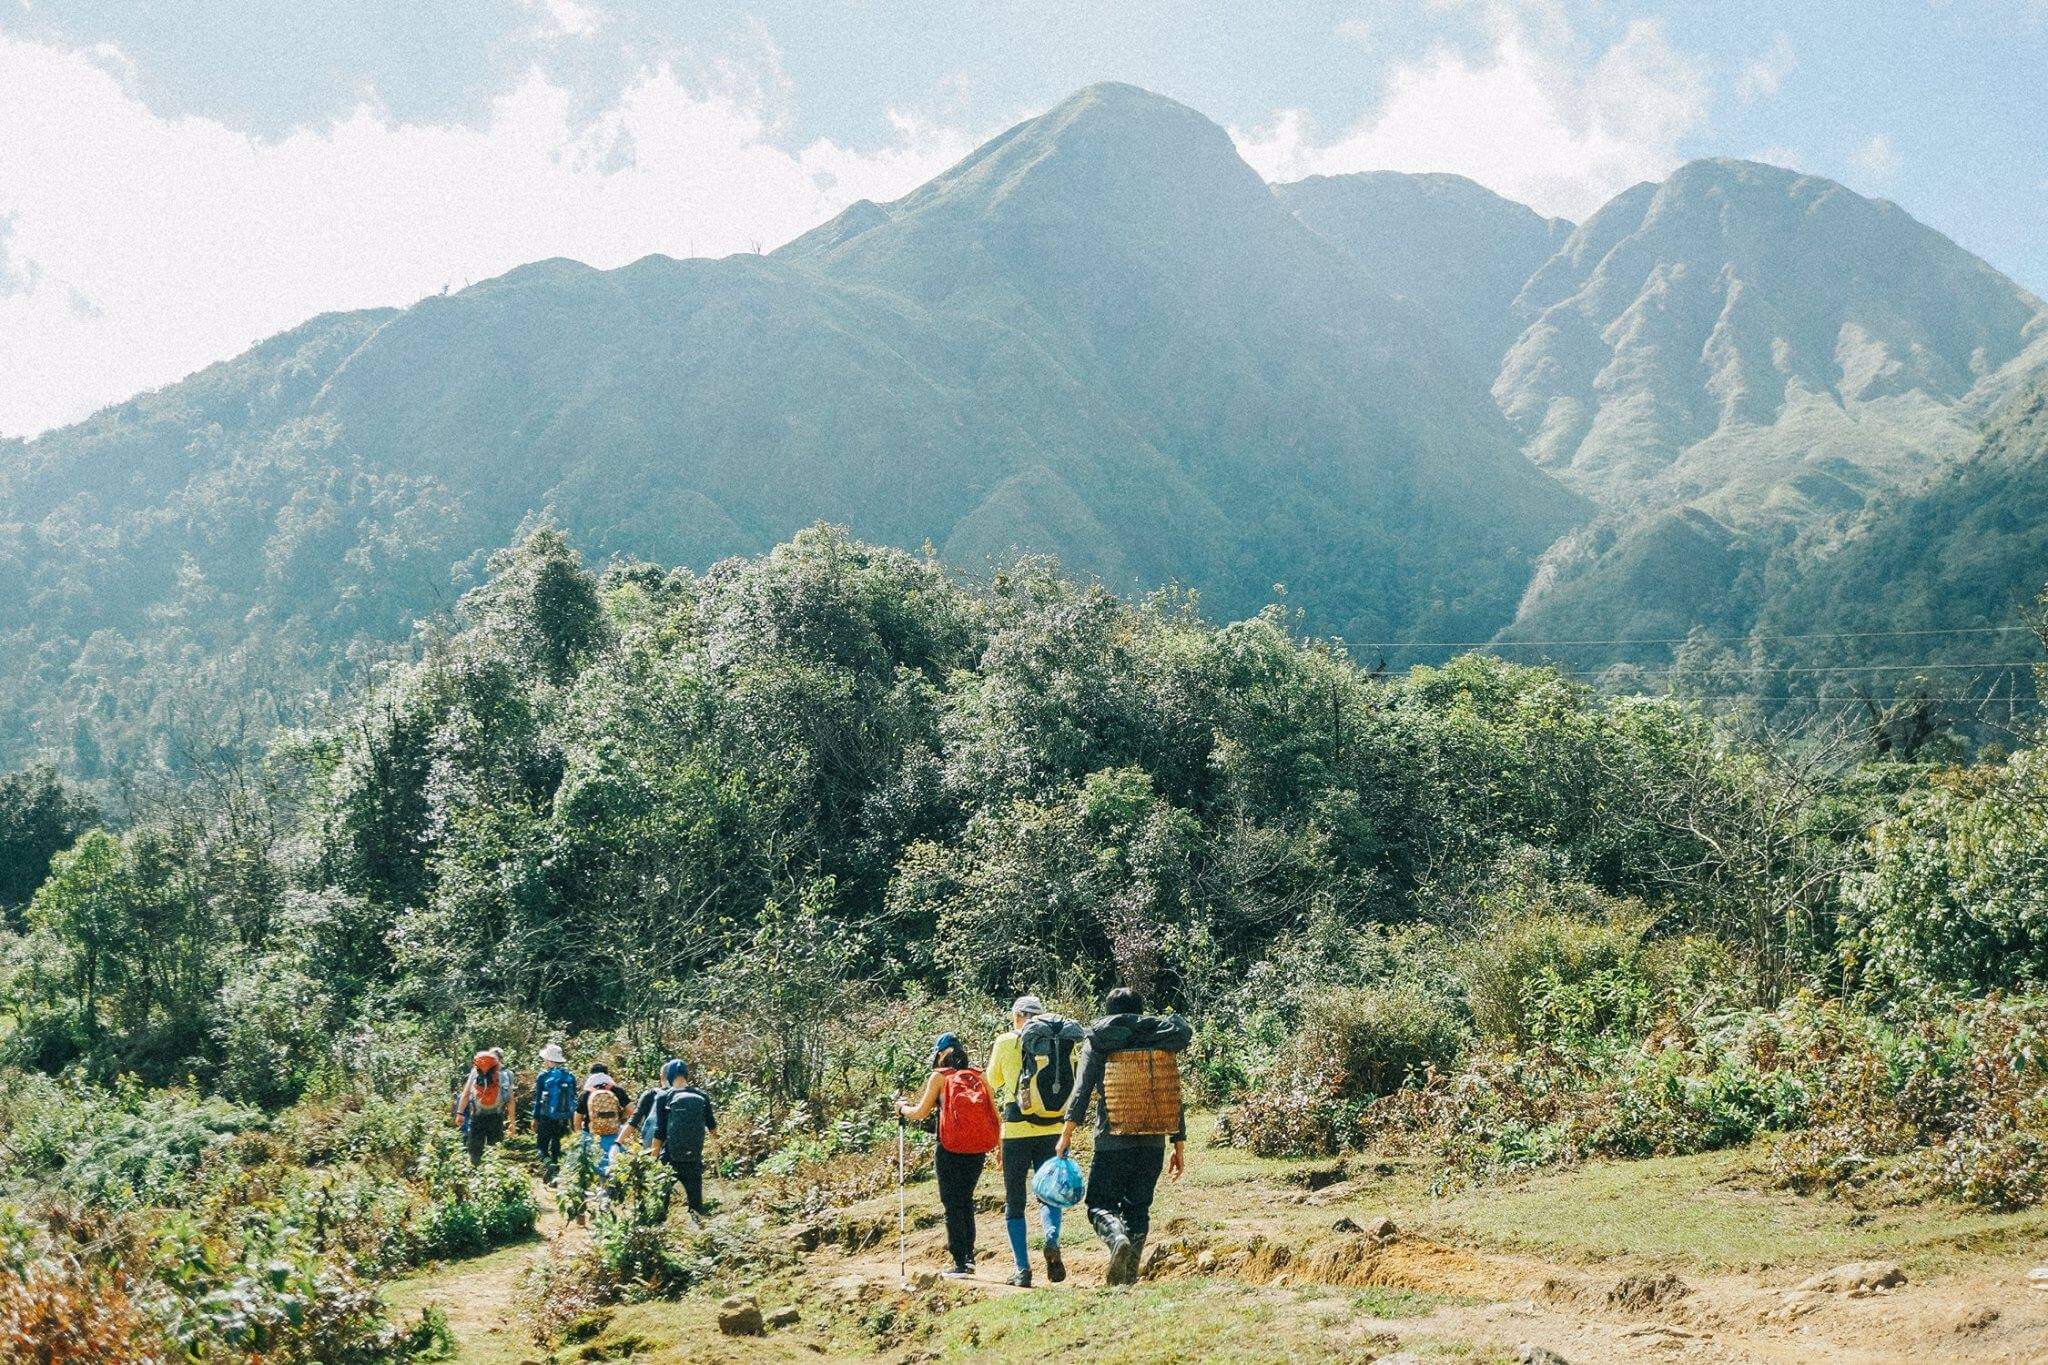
column 1059, row 1183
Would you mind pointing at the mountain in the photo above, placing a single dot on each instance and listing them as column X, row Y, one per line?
column 1964, row 550
column 1100, row 335
column 1733, row 363
column 1761, row 344
column 1455, row 249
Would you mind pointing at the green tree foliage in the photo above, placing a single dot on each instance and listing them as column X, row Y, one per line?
column 40, row 816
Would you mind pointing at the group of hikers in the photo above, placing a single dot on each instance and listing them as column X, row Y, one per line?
column 669, row 1120
column 1120, row 1075
column 1045, row 1078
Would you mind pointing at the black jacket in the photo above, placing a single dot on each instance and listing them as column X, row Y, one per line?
column 1124, row 1033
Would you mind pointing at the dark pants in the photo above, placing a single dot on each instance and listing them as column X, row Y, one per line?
column 485, row 1130
column 547, row 1140
column 958, row 1172
column 690, row 1175
column 1121, row 1182
column 1022, row 1156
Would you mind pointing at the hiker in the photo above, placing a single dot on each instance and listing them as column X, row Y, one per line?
column 601, row 1111
column 968, row 1132
column 485, row 1106
column 682, row 1115
column 554, row 1108
column 1131, row 1076
column 1031, row 1074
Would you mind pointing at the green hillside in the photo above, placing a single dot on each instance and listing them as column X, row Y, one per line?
column 1100, row 336
column 1455, row 249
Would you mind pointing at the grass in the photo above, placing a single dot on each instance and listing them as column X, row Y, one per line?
column 1709, row 1213
column 1182, row 1320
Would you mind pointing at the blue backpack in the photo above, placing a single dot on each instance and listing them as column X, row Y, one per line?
column 557, row 1094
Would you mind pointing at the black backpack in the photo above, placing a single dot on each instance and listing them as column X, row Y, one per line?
column 1046, row 1074
column 683, row 1124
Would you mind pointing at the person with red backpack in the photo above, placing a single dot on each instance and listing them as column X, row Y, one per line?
column 484, row 1107
column 968, row 1131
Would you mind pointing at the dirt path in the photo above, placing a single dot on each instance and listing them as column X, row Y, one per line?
column 483, row 1296
column 1245, row 1265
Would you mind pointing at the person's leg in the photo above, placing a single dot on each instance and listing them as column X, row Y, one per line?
column 1109, row 1184
column 1141, row 1181
column 957, row 1174
column 690, row 1175
column 1016, row 1178
column 1036, row 1151
column 473, row 1139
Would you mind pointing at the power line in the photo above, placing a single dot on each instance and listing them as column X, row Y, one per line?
column 1704, row 639
column 2026, row 664
column 1837, row 701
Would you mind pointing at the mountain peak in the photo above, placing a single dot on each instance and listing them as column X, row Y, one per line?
column 1723, row 334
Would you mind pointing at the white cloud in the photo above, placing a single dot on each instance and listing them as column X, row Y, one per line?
column 1764, row 74
column 1533, row 119
column 140, row 248
column 1878, row 156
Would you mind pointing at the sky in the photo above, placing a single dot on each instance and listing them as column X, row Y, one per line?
column 180, row 181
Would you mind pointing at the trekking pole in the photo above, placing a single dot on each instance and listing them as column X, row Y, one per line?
column 902, row 1257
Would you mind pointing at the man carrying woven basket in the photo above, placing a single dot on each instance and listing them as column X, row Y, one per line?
column 1130, row 1073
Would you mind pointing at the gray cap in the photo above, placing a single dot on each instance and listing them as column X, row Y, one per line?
column 1028, row 1006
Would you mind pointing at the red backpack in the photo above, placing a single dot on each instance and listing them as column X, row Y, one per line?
column 967, row 1115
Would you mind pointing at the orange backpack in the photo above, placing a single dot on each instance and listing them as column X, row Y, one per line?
column 967, row 1114
column 490, row 1089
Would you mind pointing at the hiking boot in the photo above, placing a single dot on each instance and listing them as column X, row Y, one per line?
column 1055, row 1266
column 1123, row 1256
column 961, row 1271
column 1020, row 1280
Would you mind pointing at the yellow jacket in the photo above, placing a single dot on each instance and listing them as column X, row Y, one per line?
column 1005, row 1063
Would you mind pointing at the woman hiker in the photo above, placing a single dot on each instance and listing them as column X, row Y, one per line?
column 1032, row 1107
column 968, row 1132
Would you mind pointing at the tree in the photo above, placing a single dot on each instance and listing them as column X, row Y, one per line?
column 40, row 817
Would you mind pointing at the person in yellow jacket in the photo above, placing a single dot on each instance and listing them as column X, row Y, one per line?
column 1030, row 1131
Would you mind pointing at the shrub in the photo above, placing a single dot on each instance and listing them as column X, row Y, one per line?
column 1350, row 1046
column 1547, row 977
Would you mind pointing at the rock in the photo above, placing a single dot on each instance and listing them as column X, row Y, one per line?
column 1796, row 1304
column 1634, row 1293
column 1529, row 1353
column 1158, row 1257
column 1319, row 1177
column 739, row 1316
column 1345, row 1225
column 1205, row 1261
column 806, row 1236
column 1382, row 1229
column 848, row 1287
column 1975, row 1320
column 785, row 1316
column 925, row 1279
column 2037, row 1279
column 1856, row 1279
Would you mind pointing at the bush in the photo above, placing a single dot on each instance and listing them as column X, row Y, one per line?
column 1351, row 1045
column 1550, row 977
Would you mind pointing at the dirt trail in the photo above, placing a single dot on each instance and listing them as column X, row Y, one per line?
column 1306, row 1267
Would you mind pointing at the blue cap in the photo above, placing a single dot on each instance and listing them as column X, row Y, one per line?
column 672, row 1069
column 945, row 1042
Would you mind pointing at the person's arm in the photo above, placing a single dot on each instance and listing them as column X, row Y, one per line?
column 1085, row 1086
column 926, row 1102
column 465, row 1097
column 710, row 1119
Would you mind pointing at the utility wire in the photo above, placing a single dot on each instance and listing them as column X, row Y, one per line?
column 1704, row 639
column 2028, row 664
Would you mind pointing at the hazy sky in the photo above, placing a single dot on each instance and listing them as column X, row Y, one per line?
column 180, row 180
